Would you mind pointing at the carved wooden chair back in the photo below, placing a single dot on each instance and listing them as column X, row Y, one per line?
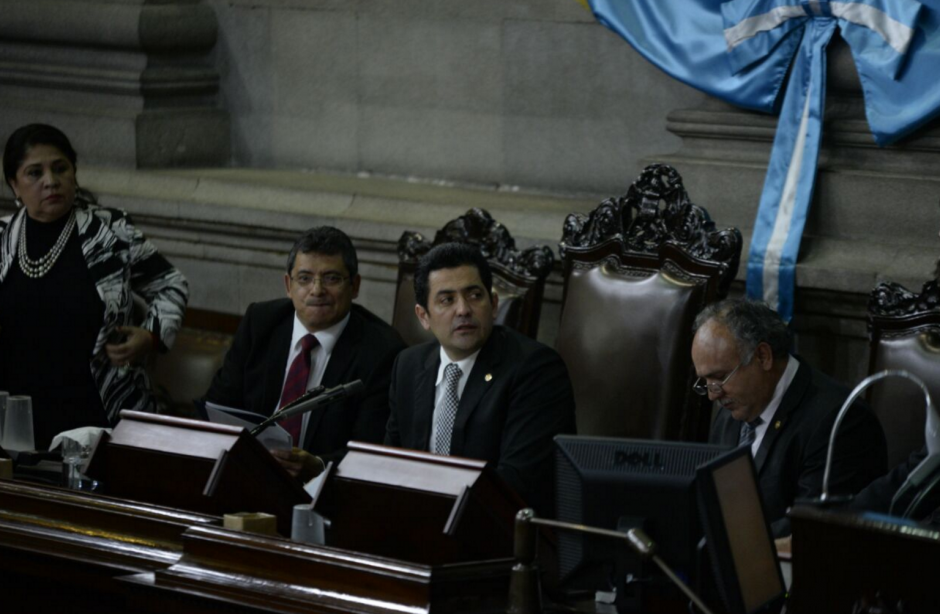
column 904, row 332
column 637, row 271
column 518, row 276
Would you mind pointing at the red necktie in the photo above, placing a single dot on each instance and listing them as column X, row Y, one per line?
column 296, row 385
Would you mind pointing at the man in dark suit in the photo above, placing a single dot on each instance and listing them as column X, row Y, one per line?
column 315, row 336
column 780, row 407
column 891, row 493
column 480, row 391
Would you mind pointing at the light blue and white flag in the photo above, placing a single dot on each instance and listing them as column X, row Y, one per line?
column 742, row 50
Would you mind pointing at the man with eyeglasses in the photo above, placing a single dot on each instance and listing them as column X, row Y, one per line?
column 781, row 408
column 316, row 336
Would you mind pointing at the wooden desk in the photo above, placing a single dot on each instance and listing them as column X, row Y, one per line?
column 225, row 571
column 842, row 560
column 60, row 549
column 112, row 555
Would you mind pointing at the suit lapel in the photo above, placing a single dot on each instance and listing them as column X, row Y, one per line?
column 424, row 398
column 479, row 382
column 790, row 403
column 344, row 352
column 276, row 367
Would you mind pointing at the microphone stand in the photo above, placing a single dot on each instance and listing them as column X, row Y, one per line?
column 825, row 497
column 524, row 592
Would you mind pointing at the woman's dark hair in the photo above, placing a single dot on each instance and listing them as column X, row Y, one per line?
column 28, row 136
column 450, row 256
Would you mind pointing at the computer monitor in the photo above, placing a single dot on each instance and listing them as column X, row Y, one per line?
column 619, row 484
column 738, row 537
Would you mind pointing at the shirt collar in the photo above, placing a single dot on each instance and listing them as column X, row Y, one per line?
column 327, row 337
column 785, row 380
column 465, row 365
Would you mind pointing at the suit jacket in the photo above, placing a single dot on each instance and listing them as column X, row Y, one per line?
column 122, row 262
column 791, row 459
column 517, row 398
column 252, row 375
column 877, row 496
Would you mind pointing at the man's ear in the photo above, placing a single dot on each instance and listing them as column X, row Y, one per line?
column 764, row 356
column 355, row 281
column 494, row 298
column 422, row 314
column 287, row 284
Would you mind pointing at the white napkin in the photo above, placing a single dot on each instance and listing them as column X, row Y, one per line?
column 84, row 436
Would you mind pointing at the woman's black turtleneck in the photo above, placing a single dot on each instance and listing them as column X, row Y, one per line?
column 48, row 329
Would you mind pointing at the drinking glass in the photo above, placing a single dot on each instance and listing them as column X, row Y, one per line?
column 74, row 458
column 3, row 409
column 18, row 425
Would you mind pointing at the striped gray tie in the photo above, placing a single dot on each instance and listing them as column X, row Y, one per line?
column 749, row 431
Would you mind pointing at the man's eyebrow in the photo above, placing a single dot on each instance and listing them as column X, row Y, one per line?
column 328, row 272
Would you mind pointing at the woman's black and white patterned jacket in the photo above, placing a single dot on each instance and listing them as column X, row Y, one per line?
column 122, row 263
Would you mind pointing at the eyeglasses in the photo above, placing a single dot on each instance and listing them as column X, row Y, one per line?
column 330, row 280
column 701, row 387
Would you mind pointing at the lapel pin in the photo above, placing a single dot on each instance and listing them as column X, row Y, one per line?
column 777, row 424
column 488, row 377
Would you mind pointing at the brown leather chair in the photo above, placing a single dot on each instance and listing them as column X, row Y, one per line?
column 185, row 372
column 637, row 271
column 518, row 277
column 904, row 331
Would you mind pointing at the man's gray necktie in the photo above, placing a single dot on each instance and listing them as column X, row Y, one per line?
column 447, row 412
column 749, row 431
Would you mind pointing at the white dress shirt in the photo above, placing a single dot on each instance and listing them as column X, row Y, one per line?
column 466, row 365
column 319, row 356
column 768, row 414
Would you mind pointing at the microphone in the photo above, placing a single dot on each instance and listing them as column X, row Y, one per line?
column 313, row 392
column 324, row 398
column 930, row 427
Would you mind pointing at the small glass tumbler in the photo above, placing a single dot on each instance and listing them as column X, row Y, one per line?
column 74, row 457
column 18, row 425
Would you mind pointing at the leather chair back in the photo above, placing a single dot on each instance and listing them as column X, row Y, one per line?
column 518, row 277
column 185, row 372
column 635, row 278
column 904, row 331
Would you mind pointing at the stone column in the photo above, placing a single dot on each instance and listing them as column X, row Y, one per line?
column 131, row 82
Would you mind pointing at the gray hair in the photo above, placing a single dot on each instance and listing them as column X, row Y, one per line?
column 750, row 323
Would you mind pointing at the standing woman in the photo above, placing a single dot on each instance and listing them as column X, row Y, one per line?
column 68, row 272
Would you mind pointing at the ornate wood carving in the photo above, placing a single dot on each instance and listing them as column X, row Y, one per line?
column 889, row 299
column 477, row 227
column 643, row 225
column 894, row 311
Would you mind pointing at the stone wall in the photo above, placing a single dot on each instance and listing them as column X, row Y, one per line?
column 131, row 81
column 384, row 115
column 531, row 93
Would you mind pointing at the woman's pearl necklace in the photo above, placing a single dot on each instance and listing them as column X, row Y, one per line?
column 39, row 268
